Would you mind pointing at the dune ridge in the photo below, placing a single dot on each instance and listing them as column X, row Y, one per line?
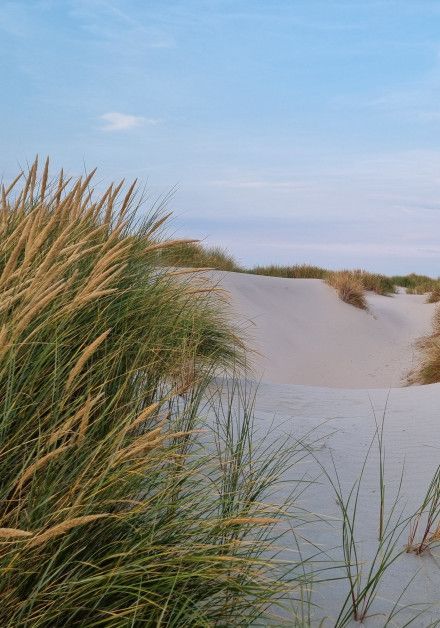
column 304, row 334
column 333, row 374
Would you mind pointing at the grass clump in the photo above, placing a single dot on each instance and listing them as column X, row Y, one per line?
column 195, row 255
column 434, row 295
column 415, row 284
column 115, row 509
column 375, row 282
column 297, row 271
column 428, row 371
column 425, row 525
column 349, row 288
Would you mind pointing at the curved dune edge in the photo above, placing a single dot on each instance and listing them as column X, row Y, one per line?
column 304, row 334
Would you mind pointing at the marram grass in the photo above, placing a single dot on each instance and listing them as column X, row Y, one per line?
column 349, row 288
column 428, row 367
column 114, row 508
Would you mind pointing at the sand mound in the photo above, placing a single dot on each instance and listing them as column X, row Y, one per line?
column 318, row 358
column 306, row 335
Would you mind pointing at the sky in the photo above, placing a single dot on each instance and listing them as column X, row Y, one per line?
column 287, row 131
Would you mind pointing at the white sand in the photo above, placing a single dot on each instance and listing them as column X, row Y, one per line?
column 412, row 446
column 306, row 335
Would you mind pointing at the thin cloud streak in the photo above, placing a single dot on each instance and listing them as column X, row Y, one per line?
column 116, row 121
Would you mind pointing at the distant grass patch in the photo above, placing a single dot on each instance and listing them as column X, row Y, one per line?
column 297, row 271
column 415, row 284
column 196, row 255
column 375, row 282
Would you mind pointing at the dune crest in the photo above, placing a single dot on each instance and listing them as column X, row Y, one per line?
column 306, row 335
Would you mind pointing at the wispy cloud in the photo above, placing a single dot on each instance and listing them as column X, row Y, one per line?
column 116, row 121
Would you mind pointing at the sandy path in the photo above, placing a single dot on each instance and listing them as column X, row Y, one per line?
column 306, row 335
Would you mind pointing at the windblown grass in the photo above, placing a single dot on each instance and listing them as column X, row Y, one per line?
column 349, row 288
column 113, row 511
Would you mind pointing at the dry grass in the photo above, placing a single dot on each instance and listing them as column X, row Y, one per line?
column 428, row 371
column 415, row 284
column 375, row 282
column 434, row 295
column 349, row 288
column 196, row 255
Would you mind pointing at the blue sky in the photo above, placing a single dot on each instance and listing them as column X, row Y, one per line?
column 293, row 130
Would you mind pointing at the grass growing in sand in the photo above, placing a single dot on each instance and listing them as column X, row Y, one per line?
column 434, row 295
column 113, row 509
column 416, row 284
column 428, row 370
column 298, row 271
column 195, row 255
column 425, row 525
column 375, row 282
column 349, row 288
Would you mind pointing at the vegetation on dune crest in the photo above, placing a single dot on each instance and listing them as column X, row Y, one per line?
column 428, row 371
column 115, row 509
column 349, row 288
column 375, row 282
column 416, row 284
column 195, row 255
column 298, row 271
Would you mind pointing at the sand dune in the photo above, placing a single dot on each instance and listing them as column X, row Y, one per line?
column 319, row 358
column 306, row 335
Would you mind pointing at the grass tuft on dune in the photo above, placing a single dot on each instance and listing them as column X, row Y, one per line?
column 428, row 370
column 119, row 504
column 349, row 288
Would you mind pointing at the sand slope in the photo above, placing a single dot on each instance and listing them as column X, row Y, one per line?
column 345, row 421
column 319, row 358
column 306, row 335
